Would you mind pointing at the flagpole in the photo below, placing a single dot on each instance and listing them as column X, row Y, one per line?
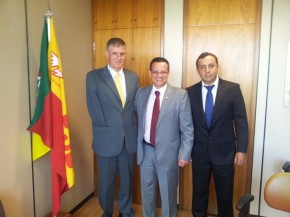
column 48, row 8
column 48, row 14
column 30, row 109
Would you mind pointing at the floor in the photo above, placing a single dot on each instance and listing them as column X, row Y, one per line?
column 92, row 209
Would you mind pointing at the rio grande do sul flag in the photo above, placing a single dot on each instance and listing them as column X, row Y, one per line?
column 41, row 123
column 52, row 123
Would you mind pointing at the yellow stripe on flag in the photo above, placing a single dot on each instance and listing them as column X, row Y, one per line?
column 38, row 147
column 57, row 87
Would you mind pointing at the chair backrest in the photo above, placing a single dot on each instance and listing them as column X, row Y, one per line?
column 2, row 212
column 286, row 166
column 277, row 191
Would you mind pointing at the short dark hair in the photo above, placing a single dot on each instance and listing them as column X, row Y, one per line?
column 159, row 60
column 116, row 42
column 205, row 54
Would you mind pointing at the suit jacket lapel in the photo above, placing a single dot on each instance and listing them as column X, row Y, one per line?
column 128, row 86
column 106, row 76
column 144, row 105
column 165, row 103
column 218, row 99
column 200, row 103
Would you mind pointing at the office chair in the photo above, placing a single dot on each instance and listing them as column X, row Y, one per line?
column 276, row 193
column 243, row 205
column 277, row 189
column 2, row 212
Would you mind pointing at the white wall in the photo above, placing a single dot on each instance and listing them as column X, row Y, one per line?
column 271, row 146
column 173, row 39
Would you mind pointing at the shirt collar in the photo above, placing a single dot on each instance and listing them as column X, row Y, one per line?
column 215, row 83
column 161, row 90
column 113, row 72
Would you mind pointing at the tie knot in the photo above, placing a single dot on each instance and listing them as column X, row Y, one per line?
column 157, row 93
column 209, row 88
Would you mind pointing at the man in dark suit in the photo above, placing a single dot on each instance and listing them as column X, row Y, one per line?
column 164, row 142
column 110, row 100
column 220, row 136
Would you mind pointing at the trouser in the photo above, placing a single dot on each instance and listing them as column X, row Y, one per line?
column 108, row 169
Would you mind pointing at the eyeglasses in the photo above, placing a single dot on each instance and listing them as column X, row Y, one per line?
column 117, row 55
column 159, row 72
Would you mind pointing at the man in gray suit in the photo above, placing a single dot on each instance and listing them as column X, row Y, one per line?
column 160, row 156
column 110, row 100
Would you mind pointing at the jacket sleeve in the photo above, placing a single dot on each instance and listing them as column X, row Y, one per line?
column 240, row 122
column 186, row 128
column 93, row 103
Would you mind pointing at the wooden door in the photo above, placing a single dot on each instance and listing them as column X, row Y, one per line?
column 103, row 14
column 148, row 13
column 100, row 39
column 124, row 14
column 229, row 29
column 148, row 46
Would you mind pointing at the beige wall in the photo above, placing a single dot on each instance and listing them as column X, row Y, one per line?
column 15, row 163
column 72, row 20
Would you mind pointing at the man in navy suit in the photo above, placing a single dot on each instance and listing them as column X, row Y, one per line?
column 161, row 152
column 220, row 141
column 111, row 94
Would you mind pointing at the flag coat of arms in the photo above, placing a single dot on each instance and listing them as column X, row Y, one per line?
column 49, row 125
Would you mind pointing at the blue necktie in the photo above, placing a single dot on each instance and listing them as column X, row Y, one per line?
column 208, row 105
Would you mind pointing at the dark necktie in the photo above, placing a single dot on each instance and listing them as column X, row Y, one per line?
column 208, row 105
column 155, row 114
